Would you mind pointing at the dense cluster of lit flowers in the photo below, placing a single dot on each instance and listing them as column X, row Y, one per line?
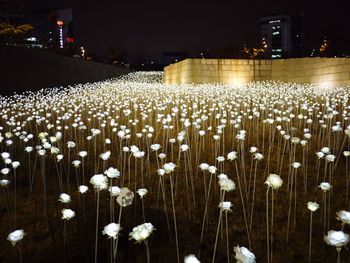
column 183, row 147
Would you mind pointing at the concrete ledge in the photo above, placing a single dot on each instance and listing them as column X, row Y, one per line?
column 30, row 70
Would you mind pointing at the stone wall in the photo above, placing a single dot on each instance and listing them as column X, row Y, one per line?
column 23, row 69
column 302, row 70
column 327, row 71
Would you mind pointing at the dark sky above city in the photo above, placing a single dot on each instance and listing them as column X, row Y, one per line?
column 152, row 27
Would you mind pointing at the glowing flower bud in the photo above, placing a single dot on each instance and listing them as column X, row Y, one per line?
column 70, row 144
column 258, row 156
column 82, row 154
column 5, row 155
column 253, row 149
column 243, row 255
column 307, row 135
column 141, row 232
column 201, row 133
column 28, row 149
column 313, row 206
column 320, row 155
column 4, row 182
column 41, row 152
column 142, row 192
column 134, row 149
column 15, row 164
column 161, row 172
column 64, row 198
column 105, row 156
column 216, row 137
column 227, row 185
column 191, row 259
column 212, row 169
column 286, row 137
column 184, row 147
column 99, row 181
column 139, row 154
column 346, row 153
column 76, row 163
column 336, row 238
column 155, row 147
column 204, row 166
column 162, row 156
column 114, row 190
column 15, row 236
column 54, row 150
column 274, row 181
column 111, row 230
column 330, row 158
column 325, row 186
column 325, row 150
column 83, row 189
column 5, row 171
column 296, row 165
column 169, row 167
column 112, row 173
column 240, row 137
column 232, row 156
column 59, row 157
column 220, row 159
column 295, row 140
column 125, row 197
column 225, row 206
column 344, row 217
column 67, row 214
column 222, row 177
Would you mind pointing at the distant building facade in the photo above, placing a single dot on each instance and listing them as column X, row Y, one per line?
column 281, row 35
column 51, row 28
column 65, row 16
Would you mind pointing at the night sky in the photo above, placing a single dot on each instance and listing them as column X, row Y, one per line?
column 151, row 27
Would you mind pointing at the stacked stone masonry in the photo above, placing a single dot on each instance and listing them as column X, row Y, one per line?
column 327, row 71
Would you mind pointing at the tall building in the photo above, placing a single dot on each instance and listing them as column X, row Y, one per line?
column 51, row 28
column 281, row 35
column 64, row 22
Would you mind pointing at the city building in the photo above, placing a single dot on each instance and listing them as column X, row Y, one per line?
column 51, row 28
column 64, row 21
column 281, row 35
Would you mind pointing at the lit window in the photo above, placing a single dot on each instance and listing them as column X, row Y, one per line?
column 31, row 39
column 276, row 56
column 277, row 50
column 274, row 21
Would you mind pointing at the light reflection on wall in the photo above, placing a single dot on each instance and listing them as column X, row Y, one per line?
column 326, row 72
column 237, row 81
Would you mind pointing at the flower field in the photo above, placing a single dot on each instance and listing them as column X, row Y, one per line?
column 134, row 170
